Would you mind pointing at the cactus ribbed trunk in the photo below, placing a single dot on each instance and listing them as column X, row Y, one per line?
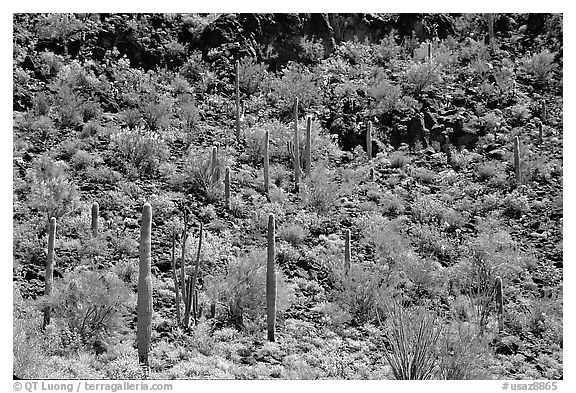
column 237, row 91
column 448, row 149
column 271, row 280
column 372, row 174
column 308, row 148
column 266, row 163
column 175, row 278
column 347, row 252
column 500, row 304
column 540, row 132
column 517, row 161
column 490, row 22
column 369, row 141
column 49, row 276
column 144, row 307
column 183, row 256
column 296, row 155
column 95, row 214
column 429, row 51
column 227, row 187
column 192, row 283
column 214, row 165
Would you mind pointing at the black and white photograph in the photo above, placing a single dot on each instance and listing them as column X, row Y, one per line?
column 287, row 196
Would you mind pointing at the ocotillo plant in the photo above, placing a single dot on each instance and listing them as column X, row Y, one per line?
column 266, row 163
column 192, row 283
column 174, row 277
column 238, row 130
column 227, row 187
column 517, row 161
column 95, row 213
column 295, row 149
column 271, row 280
column 308, row 148
column 145, row 286
column 500, row 304
column 49, row 276
column 369, row 141
column 347, row 252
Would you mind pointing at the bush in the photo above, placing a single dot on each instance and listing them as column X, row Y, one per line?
column 242, row 290
column 51, row 192
column 540, row 66
column 292, row 233
column 320, row 191
column 253, row 76
column 144, row 150
column 422, row 76
column 92, row 304
column 398, row 159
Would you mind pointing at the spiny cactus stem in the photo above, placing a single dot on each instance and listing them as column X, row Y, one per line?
column 214, row 165
column 266, row 163
column 192, row 289
column 448, row 149
column 517, row 161
column 369, row 141
column 540, row 132
column 372, row 174
column 49, row 275
column 500, row 304
column 295, row 156
column 174, row 277
column 347, row 252
column 238, row 109
column 144, row 329
column 271, row 280
column 227, row 187
column 308, row 148
column 95, row 214
column 183, row 255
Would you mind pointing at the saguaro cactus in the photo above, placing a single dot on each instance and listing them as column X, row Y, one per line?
column 372, row 174
column 95, row 213
column 517, row 161
column 369, row 141
column 238, row 109
column 174, row 277
column 227, row 187
column 192, row 282
column 183, row 256
column 448, row 149
column 215, row 175
column 429, row 51
column 49, row 275
column 308, row 148
column 145, row 286
column 500, row 304
column 296, row 148
column 540, row 127
column 490, row 21
column 266, row 163
column 271, row 279
column 347, row 252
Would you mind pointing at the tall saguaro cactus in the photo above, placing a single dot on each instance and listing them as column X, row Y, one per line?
column 95, row 214
column 347, row 252
column 517, row 161
column 183, row 256
column 144, row 307
column 192, row 282
column 49, row 276
column 296, row 148
column 448, row 148
column 227, row 187
column 540, row 127
column 271, row 279
column 215, row 174
column 174, row 277
column 308, row 148
column 490, row 22
column 266, row 163
column 238, row 109
column 500, row 304
column 369, row 141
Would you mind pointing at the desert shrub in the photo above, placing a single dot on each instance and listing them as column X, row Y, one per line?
column 486, row 170
column 387, row 49
column 103, row 175
column 40, row 126
column 383, row 237
column 253, row 76
column 49, row 64
column 398, row 159
column 355, row 52
column 143, row 150
column 311, row 50
column 92, row 304
column 41, row 104
column 540, row 66
column 385, row 95
column 514, row 205
column 189, row 118
column 242, row 289
column 391, row 204
column 131, row 118
column 320, row 191
column 295, row 81
column 156, row 111
column 424, row 175
column 519, row 114
column 83, row 159
column 202, row 176
column 422, row 76
column 292, row 233
column 51, row 191
column 429, row 240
